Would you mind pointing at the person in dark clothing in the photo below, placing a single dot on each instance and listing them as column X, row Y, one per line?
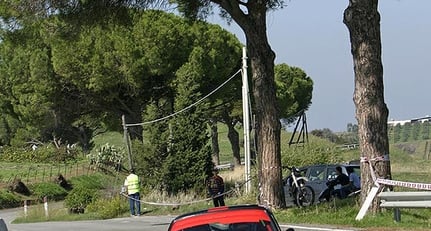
column 341, row 179
column 215, row 186
column 354, row 183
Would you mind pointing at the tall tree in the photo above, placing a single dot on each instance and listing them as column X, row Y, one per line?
column 189, row 160
column 223, row 52
column 32, row 90
column 251, row 17
column 363, row 21
column 294, row 90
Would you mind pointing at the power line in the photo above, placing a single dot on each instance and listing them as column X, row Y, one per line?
column 186, row 108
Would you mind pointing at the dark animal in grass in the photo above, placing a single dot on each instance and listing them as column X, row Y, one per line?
column 63, row 182
column 19, row 187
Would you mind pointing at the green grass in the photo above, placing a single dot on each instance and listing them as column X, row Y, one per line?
column 56, row 212
column 226, row 155
column 113, row 138
column 342, row 213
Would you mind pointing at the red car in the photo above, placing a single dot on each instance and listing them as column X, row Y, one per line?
column 227, row 218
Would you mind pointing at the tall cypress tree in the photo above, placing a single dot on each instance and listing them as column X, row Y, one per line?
column 149, row 160
column 189, row 161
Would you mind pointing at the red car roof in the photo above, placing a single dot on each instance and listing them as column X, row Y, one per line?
column 223, row 215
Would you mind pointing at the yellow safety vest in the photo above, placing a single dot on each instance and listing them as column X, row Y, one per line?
column 132, row 183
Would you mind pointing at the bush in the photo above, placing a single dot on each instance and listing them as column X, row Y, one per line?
column 107, row 156
column 43, row 154
column 9, row 200
column 79, row 198
column 51, row 190
column 109, row 208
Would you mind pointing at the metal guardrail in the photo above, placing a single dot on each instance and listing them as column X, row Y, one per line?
column 397, row 200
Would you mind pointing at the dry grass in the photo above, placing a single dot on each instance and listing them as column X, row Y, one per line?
column 235, row 175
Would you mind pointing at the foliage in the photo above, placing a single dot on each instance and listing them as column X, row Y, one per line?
column 78, row 199
column 189, row 160
column 326, row 133
column 406, row 132
column 312, row 153
column 107, row 155
column 9, row 200
column 425, row 130
column 108, row 207
column 294, row 90
column 50, row 190
column 147, row 163
column 42, row 154
column 93, row 70
column 215, row 64
column 397, row 134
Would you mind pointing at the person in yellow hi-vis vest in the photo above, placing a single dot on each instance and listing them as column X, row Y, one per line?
column 132, row 184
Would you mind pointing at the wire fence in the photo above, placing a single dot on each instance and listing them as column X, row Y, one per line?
column 37, row 173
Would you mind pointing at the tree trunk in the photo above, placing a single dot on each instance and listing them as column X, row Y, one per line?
column 233, row 137
column 363, row 21
column 214, row 142
column 253, row 22
column 268, row 125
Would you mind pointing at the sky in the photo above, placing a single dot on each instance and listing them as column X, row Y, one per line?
column 310, row 34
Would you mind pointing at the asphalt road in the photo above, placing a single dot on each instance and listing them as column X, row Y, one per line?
column 142, row 223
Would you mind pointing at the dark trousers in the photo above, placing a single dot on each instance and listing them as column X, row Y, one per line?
column 135, row 203
column 218, row 200
column 326, row 194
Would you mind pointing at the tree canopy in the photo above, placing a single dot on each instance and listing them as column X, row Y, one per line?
column 251, row 17
column 294, row 90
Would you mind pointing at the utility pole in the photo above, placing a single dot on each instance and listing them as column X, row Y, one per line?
column 246, row 120
column 127, row 140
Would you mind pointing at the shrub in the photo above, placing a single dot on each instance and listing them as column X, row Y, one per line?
column 51, row 190
column 78, row 199
column 107, row 156
column 8, row 200
column 43, row 154
column 109, row 208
